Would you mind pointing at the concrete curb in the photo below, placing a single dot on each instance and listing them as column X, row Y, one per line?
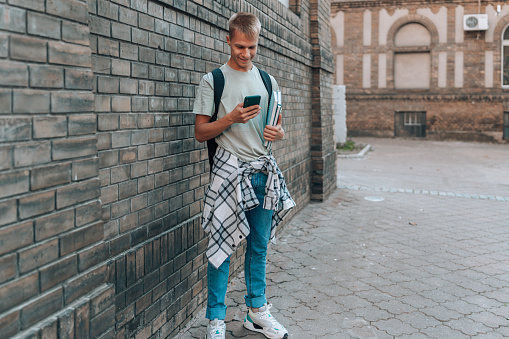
column 359, row 155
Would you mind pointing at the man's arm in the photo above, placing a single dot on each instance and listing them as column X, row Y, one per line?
column 205, row 130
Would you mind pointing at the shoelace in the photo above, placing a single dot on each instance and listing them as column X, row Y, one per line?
column 218, row 330
column 265, row 315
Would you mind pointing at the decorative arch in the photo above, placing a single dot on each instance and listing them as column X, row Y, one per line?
column 412, row 18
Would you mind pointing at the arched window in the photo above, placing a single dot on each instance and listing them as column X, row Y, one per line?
column 412, row 59
column 505, row 58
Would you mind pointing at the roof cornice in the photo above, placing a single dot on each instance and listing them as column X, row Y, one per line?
column 341, row 5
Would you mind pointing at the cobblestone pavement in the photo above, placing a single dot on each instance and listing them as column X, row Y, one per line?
column 413, row 244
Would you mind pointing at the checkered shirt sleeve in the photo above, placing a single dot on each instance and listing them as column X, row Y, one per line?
column 230, row 194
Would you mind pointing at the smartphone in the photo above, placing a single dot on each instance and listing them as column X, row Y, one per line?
column 252, row 100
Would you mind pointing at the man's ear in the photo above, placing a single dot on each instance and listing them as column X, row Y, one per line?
column 228, row 39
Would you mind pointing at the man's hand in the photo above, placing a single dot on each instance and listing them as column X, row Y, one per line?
column 273, row 133
column 241, row 115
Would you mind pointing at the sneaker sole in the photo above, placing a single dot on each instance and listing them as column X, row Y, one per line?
column 250, row 326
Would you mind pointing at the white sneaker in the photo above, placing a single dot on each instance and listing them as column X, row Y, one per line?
column 265, row 323
column 216, row 329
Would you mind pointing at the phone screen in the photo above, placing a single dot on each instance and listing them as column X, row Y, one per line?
column 252, row 100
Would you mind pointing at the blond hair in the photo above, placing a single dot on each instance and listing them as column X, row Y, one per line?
column 245, row 23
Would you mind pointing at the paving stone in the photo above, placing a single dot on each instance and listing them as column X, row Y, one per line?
column 352, row 268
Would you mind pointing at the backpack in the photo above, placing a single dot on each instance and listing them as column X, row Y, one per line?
column 218, row 77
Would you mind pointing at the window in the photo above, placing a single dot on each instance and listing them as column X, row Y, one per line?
column 506, row 125
column 412, row 59
column 410, row 124
column 505, row 58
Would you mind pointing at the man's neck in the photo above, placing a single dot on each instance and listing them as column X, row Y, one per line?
column 234, row 66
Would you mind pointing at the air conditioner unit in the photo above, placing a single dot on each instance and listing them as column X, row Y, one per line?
column 475, row 22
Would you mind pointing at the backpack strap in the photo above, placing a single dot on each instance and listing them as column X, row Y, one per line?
column 218, row 77
column 267, row 82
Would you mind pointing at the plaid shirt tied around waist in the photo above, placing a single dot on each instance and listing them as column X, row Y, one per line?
column 230, row 194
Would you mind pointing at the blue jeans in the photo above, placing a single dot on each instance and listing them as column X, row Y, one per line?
column 260, row 221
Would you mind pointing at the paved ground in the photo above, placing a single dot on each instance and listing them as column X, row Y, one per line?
column 430, row 260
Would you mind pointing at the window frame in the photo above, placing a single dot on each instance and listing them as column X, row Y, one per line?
column 505, row 43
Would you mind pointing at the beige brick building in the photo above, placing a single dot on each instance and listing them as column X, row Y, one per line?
column 433, row 69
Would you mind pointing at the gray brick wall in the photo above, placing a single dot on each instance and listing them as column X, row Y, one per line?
column 101, row 179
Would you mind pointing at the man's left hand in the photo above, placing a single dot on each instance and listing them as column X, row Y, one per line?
column 273, row 133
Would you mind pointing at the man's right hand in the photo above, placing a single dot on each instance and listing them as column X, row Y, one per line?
column 241, row 115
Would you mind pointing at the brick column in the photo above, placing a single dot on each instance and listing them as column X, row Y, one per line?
column 323, row 151
column 51, row 231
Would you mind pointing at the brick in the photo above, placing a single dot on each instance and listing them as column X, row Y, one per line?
column 82, row 124
column 31, row 101
column 48, row 176
column 13, row 19
column 108, row 122
column 79, row 79
column 49, row 328
column 99, row 26
column 107, row 47
column 41, row 307
column 8, row 211
column 66, row 324
column 85, row 283
column 128, row 86
column 4, row 45
column 28, row 49
column 75, row 33
column 36, row 204
column 107, row 84
column 54, row 224
column 68, row 102
column 49, row 127
column 8, row 264
column 13, row 183
column 5, row 157
column 120, row 31
column 93, row 256
column 109, row 194
column 102, row 322
column 32, row 154
column 120, row 103
column 46, row 76
column 63, row 53
column 10, row 324
column 38, row 255
column 74, row 148
column 88, row 213
column 80, row 238
column 17, row 291
column 58, row 272
column 128, row 51
column 43, row 25
column 69, row 9
column 78, row 192
column 5, row 100
column 82, row 321
column 101, row 301
column 85, row 169
column 13, row 74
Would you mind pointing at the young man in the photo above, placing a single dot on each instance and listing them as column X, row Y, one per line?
column 247, row 195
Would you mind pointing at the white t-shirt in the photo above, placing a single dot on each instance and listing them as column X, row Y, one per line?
column 243, row 140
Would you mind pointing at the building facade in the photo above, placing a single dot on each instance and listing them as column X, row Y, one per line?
column 424, row 68
column 101, row 179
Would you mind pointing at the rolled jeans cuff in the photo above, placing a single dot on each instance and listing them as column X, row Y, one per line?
column 216, row 313
column 255, row 302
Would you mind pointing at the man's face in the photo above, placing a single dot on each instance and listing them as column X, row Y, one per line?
column 242, row 50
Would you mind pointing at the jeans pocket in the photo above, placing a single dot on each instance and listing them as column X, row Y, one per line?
column 258, row 180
